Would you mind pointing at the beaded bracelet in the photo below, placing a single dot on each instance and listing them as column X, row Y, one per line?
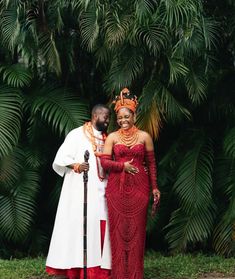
column 76, row 168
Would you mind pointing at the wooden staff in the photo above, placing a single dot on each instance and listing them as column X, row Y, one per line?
column 85, row 180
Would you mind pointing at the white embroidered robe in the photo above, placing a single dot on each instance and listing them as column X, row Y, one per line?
column 66, row 247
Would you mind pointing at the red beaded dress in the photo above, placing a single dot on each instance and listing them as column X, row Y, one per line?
column 127, row 199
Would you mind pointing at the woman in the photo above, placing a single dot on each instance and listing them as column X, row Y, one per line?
column 124, row 156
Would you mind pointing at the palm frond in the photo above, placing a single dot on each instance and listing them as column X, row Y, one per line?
column 11, row 115
column 89, row 27
column 229, row 143
column 149, row 120
column 223, row 237
column 33, row 158
column 154, row 36
column 193, row 221
column 169, row 106
column 18, row 208
column 179, row 13
column 193, row 185
column 10, row 28
column 59, row 109
column 11, row 172
column 12, row 3
column 117, row 28
column 18, row 200
column 210, row 31
column 103, row 55
column 143, row 8
column 177, row 69
column 188, row 229
column 196, row 86
column 16, row 75
column 191, row 41
column 57, row 19
column 124, row 70
column 80, row 3
column 49, row 52
column 148, row 116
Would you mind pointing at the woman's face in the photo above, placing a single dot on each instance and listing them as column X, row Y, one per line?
column 125, row 118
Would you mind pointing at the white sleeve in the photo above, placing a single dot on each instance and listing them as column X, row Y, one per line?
column 66, row 154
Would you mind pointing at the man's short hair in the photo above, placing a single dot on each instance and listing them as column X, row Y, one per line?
column 98, row 107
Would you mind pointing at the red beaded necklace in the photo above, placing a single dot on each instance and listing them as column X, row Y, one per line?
column 128, row 137
column 88, row 131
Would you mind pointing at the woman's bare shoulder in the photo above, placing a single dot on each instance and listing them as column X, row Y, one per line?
column 144, row 134
column 113, row 134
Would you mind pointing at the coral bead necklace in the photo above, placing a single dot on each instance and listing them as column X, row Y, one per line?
column 128, row 137
column 97, row 146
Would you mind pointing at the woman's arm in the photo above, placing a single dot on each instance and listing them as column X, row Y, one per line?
column 108, row 145
column 106, row 159
column 151, row 163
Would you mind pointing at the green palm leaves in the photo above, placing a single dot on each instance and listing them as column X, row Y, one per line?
column 21, row 154
column 11, row 116
column 18, row 193
column 165, row 52
column 193, row 221
column 61, row 110
column 152, row 42
column 16, row 75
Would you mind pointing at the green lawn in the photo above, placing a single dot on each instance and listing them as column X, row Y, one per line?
column 156, row 266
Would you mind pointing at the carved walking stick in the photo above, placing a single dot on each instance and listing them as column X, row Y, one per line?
column 85, row 180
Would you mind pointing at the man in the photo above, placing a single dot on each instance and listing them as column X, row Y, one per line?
column 65, row 255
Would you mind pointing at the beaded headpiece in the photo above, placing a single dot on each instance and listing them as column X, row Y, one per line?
column 125, row 100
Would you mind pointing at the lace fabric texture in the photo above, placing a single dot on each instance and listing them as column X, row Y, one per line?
column 151, row 164
column 109, row 165
column 127, row 209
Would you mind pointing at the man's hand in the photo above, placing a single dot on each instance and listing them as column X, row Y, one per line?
column 81, row 167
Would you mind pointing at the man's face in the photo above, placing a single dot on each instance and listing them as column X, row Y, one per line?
column 102, row 119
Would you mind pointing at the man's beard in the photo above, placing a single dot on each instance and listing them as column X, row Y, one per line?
column 101, row 126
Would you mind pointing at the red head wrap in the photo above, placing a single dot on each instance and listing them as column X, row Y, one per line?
column 125, row 100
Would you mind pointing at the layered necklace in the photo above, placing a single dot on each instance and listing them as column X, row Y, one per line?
column 97, row 146
column 128, row 137
column 96, row 142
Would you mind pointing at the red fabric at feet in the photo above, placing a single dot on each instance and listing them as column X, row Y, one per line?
column 78, row 273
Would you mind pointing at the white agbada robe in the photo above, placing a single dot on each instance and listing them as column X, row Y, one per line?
column 66, row 247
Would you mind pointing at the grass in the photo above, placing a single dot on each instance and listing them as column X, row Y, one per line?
column 156, row 266
column 187, row 266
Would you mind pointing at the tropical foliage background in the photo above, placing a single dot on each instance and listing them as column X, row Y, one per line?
column 60, row 57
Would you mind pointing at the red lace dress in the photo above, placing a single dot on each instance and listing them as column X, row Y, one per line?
column 127, row 199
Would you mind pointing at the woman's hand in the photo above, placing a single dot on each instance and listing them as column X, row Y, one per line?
column 129, row 168
column 156, row 202
column 156, row 195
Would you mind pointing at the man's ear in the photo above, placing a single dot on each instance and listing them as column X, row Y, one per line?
column 95, row 116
